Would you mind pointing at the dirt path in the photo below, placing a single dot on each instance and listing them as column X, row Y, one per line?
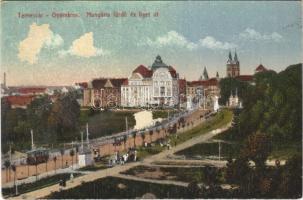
column 167, row 182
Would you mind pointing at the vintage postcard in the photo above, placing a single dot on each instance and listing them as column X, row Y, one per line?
column 151, row 99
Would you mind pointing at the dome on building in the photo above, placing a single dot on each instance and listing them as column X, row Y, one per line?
column 158, row 63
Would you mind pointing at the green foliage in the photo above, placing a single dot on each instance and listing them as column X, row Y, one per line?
column 228, row 86
column 273, row 105
column 51, row 122
column 45, row 182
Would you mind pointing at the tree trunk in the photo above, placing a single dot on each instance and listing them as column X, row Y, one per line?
column 134, row 141
column 72, row 162
column 36, row 172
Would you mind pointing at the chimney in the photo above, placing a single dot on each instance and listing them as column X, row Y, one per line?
column 4, row 80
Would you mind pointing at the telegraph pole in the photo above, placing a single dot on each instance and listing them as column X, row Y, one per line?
column 126, row 124
column 82, row 140
column 219, row 150
column 87, row 140
column 32, row 138
column 204, row 99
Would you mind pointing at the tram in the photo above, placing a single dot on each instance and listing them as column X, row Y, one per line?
column 37, row 156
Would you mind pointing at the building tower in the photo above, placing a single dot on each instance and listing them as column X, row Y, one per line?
column 204, row 76
column 232, row 66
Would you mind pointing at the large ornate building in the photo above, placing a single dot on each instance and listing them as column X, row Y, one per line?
column 154, row 85
column 233, row 66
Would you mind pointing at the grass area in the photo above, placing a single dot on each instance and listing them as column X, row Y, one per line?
column 143, row 152
column 203, row 150
column 286, row 150
column 220, row 119
column 93, row 168
column 188, row 174
column 117, row 188
column 42, row 183
column 109, row 122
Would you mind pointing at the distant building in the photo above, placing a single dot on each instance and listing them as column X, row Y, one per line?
column 245, row 78
column 32, row 90
column 182, row 90
column 196, row 89
column 232, row 66
column 103, row 92
column 19, row 101
column 154, row 85
column 260, row 68
column 234, row 101
column 204, row 75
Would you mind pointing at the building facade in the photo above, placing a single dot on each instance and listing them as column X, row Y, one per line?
column 103, row 92
column 154, row 85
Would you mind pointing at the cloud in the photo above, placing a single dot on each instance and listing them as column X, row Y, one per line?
column 54, row 41
column 84, row 47
column 171, row 38
column 37, row 38
column 211, row 43
column 251, row 34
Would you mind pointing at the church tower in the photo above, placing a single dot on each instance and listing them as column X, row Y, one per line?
column 233, row 66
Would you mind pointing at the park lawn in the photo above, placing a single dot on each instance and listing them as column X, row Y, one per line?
column 220, row 119
column 204, row 150
column 183, row 174
column 286, row 150
column 39, row 184
column 143, row 152
column 111, row 122
column 95, row 167
column 118, row 188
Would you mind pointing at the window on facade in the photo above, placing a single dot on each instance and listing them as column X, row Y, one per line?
column 162, row 91
column 168, row 91
column 156, row 91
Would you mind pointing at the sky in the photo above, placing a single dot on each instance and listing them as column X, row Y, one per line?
column 53, row 50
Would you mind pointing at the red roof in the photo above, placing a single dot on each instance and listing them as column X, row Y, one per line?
column 125, row 82
column 20, row 100
column 209, row 82
column 84, row 85
column 144, row 71
column 172, row 71
column 245, row 78
column 261, row 68
column 31, row 90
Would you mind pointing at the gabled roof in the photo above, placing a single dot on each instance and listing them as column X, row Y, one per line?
column 144, row 71
column 101, row 82
column 261, row 68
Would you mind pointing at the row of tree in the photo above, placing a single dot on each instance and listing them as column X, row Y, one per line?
column 51, row 122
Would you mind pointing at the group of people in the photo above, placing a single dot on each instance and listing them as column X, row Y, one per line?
column 131, row 155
